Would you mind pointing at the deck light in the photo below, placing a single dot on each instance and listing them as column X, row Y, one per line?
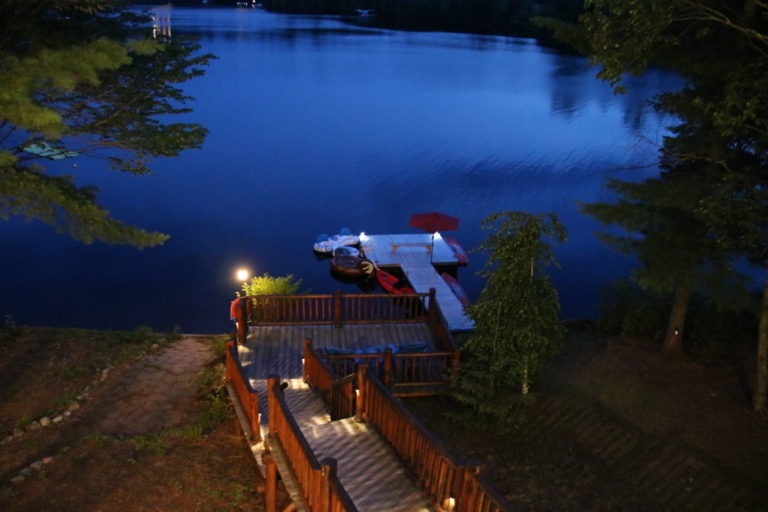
column 363, row 237
column 451, row 505
column 242, row 274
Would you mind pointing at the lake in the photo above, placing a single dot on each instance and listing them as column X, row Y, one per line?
column 321, row 122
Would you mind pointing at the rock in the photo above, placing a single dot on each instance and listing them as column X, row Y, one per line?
column 34, row 425
column 18, row 479
column 155, row 346
column 37, row 465
column 67, row 413
column 45, row 421
column 17, row 432
column 47, row 460
column 26, row 472
column 73, row 407
column 58, row 419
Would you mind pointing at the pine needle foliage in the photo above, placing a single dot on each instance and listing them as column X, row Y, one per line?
column 517, row 329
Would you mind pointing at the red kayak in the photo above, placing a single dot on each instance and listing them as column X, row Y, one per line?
column 391, row 283
column 456, row 288
column 461, row 255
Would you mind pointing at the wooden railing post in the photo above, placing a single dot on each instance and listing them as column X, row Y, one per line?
column 255, row 423
column 242, row 324
column 272, row 381
column 337, row 309
column 468, row 493
column 327, row 473
column 307, row 349
column 360, row 406
column 270, row 494
column 388, row 367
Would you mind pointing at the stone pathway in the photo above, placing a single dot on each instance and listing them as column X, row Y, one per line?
column 157, row 392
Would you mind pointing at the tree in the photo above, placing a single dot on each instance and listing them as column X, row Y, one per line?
column 673, row 244
column 83, row 77
column 720, row 49
column 516, row 317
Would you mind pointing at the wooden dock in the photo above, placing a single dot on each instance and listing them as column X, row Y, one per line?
column 417, row 256
column 375, row 478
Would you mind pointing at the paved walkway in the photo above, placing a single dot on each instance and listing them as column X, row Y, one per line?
column 158, row 391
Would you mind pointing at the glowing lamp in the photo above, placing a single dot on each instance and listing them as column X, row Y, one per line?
column 242, row 274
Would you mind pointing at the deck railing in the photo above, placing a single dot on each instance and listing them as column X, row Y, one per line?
column 339, row 309
column 449, row 484
column 337, row 393
column 246, row 396
column 406, row 374
column 319, row 484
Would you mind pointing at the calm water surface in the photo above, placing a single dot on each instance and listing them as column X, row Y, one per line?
column 317, row 123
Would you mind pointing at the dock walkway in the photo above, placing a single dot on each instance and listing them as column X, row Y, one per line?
column 417, row 256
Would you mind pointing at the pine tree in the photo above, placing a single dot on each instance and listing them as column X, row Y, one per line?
column 84, row 77
column 516, row 317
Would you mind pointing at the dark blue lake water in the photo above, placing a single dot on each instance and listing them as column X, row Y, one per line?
column 317, row 123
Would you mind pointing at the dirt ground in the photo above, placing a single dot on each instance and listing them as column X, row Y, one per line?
column 618, row 427
column 122, row 446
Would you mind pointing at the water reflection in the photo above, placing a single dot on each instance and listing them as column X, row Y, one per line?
column 317, row 124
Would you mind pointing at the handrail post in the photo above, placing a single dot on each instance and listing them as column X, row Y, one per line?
column 272, row 381
column 327, row 472
column 337, row 309
column 360, row 406
column 388, row 367
column 242, row 325
column 307, row 355
column 468, row 493
column 255, row 418
column 432, row 309
column 270, row 494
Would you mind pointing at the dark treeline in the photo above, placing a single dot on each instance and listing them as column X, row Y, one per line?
column 499, row 16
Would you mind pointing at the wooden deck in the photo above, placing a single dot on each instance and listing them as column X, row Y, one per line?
column 367, row 468
column 415, row 255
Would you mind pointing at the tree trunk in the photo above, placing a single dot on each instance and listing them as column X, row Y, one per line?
column 761, row 374
column 673, row 340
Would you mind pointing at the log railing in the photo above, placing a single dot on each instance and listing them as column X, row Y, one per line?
column 449, row 484
column 336, row 309
column 407, row 374
column 337, row 393
column 319, row 484
column 246, row 396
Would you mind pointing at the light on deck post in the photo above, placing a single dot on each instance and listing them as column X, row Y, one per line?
column 242, row 274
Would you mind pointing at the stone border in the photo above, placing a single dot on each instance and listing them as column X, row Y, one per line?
column 47, row 421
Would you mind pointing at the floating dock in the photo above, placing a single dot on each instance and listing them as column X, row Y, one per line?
column 417, row 255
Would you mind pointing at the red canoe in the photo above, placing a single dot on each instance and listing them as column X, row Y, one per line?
column 461, row 255
column 456, row 288
column 391, row 283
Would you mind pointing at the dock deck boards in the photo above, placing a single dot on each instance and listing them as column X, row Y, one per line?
column 416, row 256
column 372, row 475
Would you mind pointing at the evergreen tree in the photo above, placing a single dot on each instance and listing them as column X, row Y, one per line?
column 720, row 49
column 84, row 77
column 516, row 317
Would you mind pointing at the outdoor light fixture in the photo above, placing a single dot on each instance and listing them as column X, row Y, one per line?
column 242, row 274
column 363, row 237
column 450, row 504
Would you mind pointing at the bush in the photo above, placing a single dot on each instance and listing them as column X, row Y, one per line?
column 270, row 285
